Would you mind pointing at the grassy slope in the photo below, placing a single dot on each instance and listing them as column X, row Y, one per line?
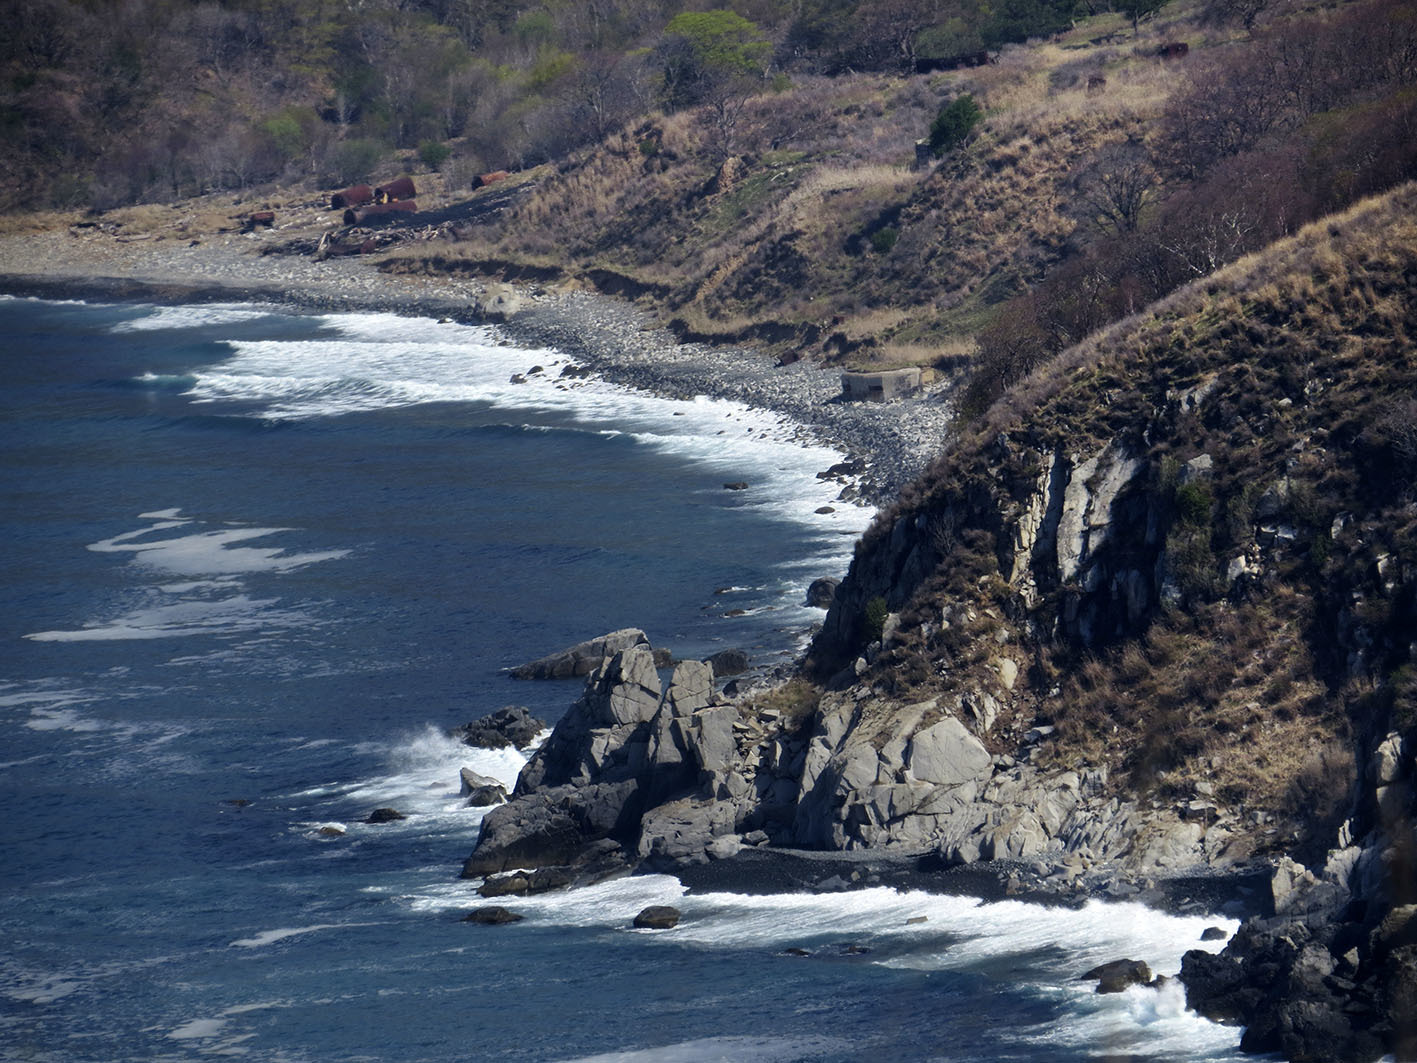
column 784, row 236
column 1309, row 354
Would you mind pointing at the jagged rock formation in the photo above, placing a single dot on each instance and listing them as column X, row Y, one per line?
column 669, row 775
column 1195, row 536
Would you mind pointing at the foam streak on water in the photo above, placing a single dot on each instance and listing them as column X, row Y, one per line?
column 216, row 605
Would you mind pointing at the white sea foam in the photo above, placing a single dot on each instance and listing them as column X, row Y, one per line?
column 189, row 316
column 210, row 552
column 378, row 361
column 730, row 1049
column 198, row 1028
column 53, row 709
column 43, row 989
column 421, row 779
column 1043, row 948
column 229, row 615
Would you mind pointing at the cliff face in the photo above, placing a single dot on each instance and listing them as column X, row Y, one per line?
column 1193, row 532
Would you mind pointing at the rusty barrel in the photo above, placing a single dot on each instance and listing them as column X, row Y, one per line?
column 353, row 196
column 395, row 190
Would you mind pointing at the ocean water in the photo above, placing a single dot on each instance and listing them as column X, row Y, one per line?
column 256, row 563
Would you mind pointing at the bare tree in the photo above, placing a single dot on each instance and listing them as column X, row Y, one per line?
column 1117, row 185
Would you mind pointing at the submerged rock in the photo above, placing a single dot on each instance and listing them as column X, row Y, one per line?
column 1118, row 975
column 658, row 917
column 385, row 815
column 494, row 915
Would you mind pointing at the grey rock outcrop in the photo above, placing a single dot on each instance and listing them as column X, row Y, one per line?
column 657, row 771
column 582, row 658
column 876, row 774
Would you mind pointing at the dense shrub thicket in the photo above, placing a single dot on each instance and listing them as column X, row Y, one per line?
column 155, row 99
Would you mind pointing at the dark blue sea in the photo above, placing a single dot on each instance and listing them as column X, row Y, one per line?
column 257, row 563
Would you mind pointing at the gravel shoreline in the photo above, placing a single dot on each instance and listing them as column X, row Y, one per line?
column 890, row 443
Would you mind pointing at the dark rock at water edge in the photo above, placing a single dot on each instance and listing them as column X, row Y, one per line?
column 513, row 725
column 492, row 916
column 728, row 662
column 1331, row 972
column 487, row 796
column 582, row 658
column 555, row 827
column 1116, row 976
column 658, row 917
column 385, row 815
column 522, row 883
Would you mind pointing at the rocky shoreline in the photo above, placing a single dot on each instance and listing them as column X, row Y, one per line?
column 887, row 444
column 859, row 789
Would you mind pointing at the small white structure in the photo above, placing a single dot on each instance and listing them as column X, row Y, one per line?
column 879, row 387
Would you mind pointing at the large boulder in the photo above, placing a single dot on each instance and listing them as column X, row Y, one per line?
column 582, row 658
column 947, row 754
column 821, row 592
column 486, row 796
column 1116, row 976
column 683, row 831
column 471, row 780
column 728, row 662
column 554, row 827
column 524, row 883
column 657, row 917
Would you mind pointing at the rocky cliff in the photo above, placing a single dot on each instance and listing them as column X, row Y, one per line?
column 1153, row 617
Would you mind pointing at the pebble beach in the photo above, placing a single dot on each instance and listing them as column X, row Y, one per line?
column 890, row 443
